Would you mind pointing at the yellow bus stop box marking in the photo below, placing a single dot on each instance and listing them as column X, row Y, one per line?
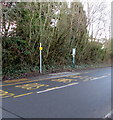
column 31, row 86
column 64, row 80
column 4, row 94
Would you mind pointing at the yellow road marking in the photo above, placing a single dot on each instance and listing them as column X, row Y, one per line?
column 35, row 80
column 64, row 80
column 1, row 91
column 74, row 76
column 17, row 80
column 22, row 95
column 51, row 88
column 31, row 86
column 19, row 83
column 4, row 94
column 29, row 81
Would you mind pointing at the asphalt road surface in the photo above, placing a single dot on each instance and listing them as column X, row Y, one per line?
column 85, row 94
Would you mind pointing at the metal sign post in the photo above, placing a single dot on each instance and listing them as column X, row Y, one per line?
column 40, row 48
column 73, row 59
column 73, row 54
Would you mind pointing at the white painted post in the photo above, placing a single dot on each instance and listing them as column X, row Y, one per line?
column 40, row 59
column 73, row 54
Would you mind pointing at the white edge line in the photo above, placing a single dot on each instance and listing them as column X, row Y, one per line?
column 57, row 88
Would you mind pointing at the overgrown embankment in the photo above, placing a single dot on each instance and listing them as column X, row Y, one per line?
column 58, row 28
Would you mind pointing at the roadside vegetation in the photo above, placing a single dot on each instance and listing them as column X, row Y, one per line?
column 58, row 27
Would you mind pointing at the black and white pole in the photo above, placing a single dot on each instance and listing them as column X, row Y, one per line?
column 40, row 48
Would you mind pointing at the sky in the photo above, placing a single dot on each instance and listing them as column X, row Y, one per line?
column 105, row 26
column 105, row 33
column 107, row 2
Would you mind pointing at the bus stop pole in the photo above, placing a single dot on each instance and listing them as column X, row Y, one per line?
column 40, row 59
column 73, row 54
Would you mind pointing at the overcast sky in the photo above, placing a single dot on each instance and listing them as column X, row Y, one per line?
column 105, row 33
column 107, row 2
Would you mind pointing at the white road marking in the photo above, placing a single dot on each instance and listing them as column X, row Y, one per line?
column 57, row 87
column 100, row 77
column 108, row 115
column 50, row 89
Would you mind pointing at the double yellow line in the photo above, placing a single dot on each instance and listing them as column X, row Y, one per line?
column 30, row 81
column 22, row 82
column 38, row 80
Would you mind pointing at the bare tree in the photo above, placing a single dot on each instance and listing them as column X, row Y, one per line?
column 97, row 19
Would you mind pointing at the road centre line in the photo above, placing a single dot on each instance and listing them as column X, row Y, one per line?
column 100, row 77
column 54, row 88
column 88, row 79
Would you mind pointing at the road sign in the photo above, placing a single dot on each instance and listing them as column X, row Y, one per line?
column 40, row 48
column 73, row 54
column 74, row 51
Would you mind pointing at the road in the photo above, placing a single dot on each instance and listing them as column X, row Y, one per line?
column 85, row 94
